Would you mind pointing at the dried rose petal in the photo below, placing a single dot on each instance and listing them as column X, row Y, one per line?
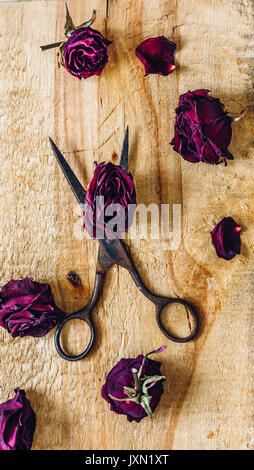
column 27, row 308
column 111, row 187
column 226, row 238
column 202, row 128
column 120, row 382
column 17, row 423
column 85, row 53
column 157, row 55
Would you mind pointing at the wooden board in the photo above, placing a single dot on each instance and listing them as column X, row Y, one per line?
column 208, row 398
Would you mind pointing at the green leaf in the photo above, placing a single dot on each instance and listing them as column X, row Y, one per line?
column 69, row 25
column 50, row 46
column 135, row 399
column 131, row 392
column 89, row 22
column 137, row 383
column 61, row 48
column 69, row 28
column 145, row 402
column 141, row 367
column 152, row 352
column 149, row 380
column 60, row 55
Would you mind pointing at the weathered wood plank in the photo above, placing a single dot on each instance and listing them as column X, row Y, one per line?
column 207, row 398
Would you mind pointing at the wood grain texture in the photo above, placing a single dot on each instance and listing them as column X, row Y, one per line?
column 208, row 398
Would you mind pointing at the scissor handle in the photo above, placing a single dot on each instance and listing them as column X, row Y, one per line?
column 161, row 303
column 85, row 314
column 61, row 352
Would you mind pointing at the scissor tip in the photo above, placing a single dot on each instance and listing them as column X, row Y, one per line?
column 53, row 145
column 127, row 132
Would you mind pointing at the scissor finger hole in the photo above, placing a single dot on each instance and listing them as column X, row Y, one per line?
column 177, row 320
column 75, row 337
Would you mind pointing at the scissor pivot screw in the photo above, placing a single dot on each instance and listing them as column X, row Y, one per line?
column 110, row 241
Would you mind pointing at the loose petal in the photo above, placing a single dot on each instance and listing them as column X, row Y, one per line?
column 226, row 238
column 157, row 55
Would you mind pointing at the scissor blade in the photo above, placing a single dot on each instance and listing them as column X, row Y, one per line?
column 76, row 186
column 103, row 260
column 125, row 151
column 115, row 253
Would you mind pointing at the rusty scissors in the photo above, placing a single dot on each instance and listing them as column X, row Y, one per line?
column 112, row 251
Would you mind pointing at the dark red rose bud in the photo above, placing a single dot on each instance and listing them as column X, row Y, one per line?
column 85, row 53
column 157, row 55
column 134, row 387
column 17, row 423
column 226, row 238
column 202, row 128
column 27, row 308
column 107, row 210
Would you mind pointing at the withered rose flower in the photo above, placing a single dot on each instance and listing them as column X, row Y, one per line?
column 157, row 55
column 202, row 128
column 106, row 209
column 85, row 53
column 17, row 423
column 27, row 308
column 226, row 238
column 134, row 387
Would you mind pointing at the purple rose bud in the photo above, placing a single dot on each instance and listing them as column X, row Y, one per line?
column 226, row 238
column 157, row 55
column 106, row 210
column 202, row 128
column 85, row 53
column 134, row 387
column 17, row 423
column 27, row 308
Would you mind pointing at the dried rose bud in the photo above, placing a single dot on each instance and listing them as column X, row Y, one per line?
column 157, row 55
column 27, row 308
column 202, row 128
column 226, row 238
column 134, row 387
column 17, row 423
column 106, row 210
column 85, row 53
